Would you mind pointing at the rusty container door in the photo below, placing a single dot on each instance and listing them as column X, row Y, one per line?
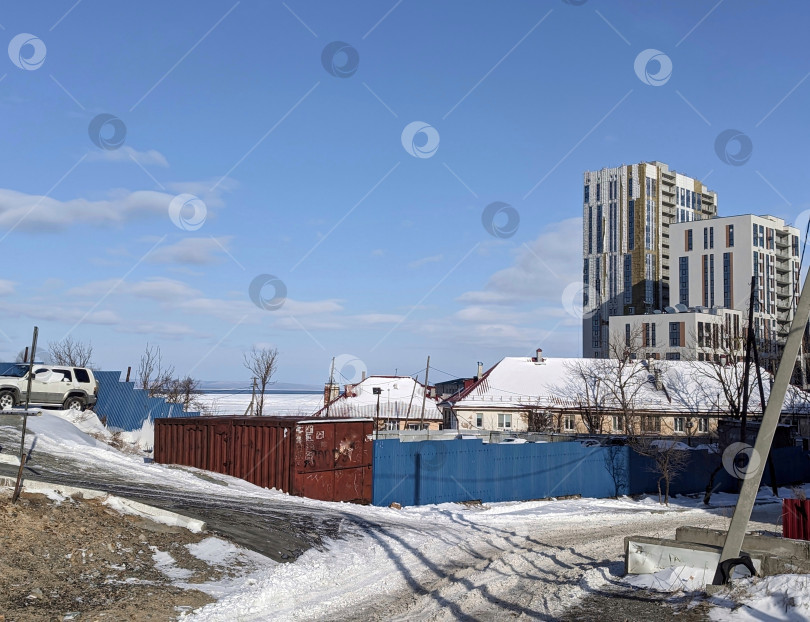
column 796, row 519
column 332, row 462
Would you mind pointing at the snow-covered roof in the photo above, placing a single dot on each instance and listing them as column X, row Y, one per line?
column 400, row 398
column 687, row 386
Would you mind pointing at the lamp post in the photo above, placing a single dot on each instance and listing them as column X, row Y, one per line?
column 377, row 391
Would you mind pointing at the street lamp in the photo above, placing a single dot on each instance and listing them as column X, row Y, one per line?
column 377, row 391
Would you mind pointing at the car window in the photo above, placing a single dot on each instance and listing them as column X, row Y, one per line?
column 15, row 370
column 40, row 370
column 65, row 374
column 81, row 374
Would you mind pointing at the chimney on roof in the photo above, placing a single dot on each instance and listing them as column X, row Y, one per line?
column 330, row 392
column 480, row 369
column 364, row 376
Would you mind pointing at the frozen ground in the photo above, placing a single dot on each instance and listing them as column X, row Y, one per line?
column 276, row 404
column 530, row 560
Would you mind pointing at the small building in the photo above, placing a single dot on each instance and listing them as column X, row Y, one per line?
column 579, row 396
column 400, row 400
column 680, row 333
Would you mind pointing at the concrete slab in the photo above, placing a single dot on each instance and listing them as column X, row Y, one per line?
column 644, row 555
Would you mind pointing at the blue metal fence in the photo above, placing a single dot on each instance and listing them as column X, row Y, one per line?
column 126, row 407
column 420, row 473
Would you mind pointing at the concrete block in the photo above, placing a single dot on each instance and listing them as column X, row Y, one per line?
column 644, row 555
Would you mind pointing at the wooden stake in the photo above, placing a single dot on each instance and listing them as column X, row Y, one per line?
column 18, row 484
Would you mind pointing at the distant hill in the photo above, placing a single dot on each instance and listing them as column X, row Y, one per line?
column 242, row 385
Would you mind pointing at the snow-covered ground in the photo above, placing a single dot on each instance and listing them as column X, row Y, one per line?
column 526, row 560
column 276, row 404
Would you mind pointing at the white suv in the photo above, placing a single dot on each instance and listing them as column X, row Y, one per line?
column 71, row 388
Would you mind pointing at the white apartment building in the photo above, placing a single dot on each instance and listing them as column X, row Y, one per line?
column 627, row 214
column 679, row 333
column 713, row 262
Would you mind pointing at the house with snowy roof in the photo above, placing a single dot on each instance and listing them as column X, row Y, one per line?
column 609, row 396
column 395, row 402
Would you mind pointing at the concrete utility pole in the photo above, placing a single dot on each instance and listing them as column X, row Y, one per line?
column 762, row 445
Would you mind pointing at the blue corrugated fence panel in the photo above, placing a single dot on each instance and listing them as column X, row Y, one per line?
column 425, row 472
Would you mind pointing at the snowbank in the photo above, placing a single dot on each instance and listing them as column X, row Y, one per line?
column 782, row 597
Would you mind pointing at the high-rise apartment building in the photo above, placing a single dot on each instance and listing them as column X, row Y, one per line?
column 627, row 212
column 713, row 262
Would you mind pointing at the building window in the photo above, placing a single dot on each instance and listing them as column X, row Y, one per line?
column 679, row 424
column 705, row 280
column 628, row 279
column 631, row 225
column 727, row 280
column 689, row 239
column 683, row 271
column 673, row 356
column 627, row 335
column 675, row 334
column 598, row 191
column 711, row 237
column 504, row 420
column 587, row 194
column 569, row 423
column 646, row 334
column 652, row 343
column 731, row 236
column 711, row 280
column 479, row 420
column 616, row 423
column 703, row 424
column 599, row 241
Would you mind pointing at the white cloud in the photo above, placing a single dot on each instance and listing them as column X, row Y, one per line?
column 194, row 251
column 37, row 213
column 128, row 154
column 6, row 288
column 426, row 260
column 541, row 271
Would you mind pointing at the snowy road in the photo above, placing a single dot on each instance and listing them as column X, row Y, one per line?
column 546, row 560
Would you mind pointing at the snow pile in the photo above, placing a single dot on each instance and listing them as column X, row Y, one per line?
column 144, row 438
column 781, row 597
column 676, row 579
column 86, row 420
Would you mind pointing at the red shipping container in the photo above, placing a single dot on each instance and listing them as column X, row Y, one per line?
column 795, row 523
column 326, row 459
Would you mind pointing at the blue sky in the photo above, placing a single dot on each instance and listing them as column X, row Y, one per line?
column 304, row 175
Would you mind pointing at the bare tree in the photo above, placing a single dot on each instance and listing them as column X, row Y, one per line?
column 153, row 377
column 669, row 459
column 71, row 352
column 261, row 362
column 623, row 376
column 615, row 458
column 538, row 418
column 184, row 391
column 584, row 386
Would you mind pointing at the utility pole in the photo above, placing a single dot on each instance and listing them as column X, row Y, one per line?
column 413, row 392
column 747, row 367
column 252, row 398
column 329, row 390
column 764, row 440
column 424, row 394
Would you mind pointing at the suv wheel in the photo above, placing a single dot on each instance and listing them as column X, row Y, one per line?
column 6, row 400
column 74, row 403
